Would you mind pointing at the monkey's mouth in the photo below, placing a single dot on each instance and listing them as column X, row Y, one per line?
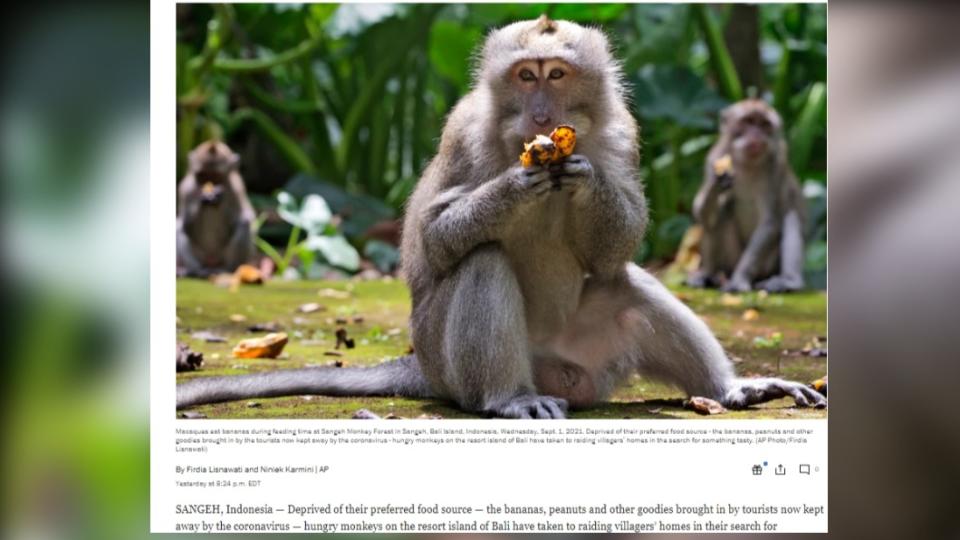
column 210, row 193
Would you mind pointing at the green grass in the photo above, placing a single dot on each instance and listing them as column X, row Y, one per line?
column 382, row 333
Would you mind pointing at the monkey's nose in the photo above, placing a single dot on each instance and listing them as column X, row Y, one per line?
column 541, row 119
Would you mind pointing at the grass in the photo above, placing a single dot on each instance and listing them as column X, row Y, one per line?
column 376, row 314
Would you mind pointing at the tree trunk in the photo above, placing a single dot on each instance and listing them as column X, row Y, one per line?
column 742, row 35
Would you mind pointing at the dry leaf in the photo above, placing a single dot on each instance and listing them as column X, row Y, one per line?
column 333, row 293
column 702, row 405
column 310, row 307
column 730, row 300
column 751, row 315
column 269, row 346
column 238, row 318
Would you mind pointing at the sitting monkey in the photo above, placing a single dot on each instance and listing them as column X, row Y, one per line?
column 524, row 298
column 214, row 214
column 750, row 206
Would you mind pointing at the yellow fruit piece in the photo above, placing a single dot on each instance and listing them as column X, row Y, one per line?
column 545, row 149
column 565, row 137
column 269, row 346
column 723, row 166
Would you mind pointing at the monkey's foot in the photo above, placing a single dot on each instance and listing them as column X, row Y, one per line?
column 778, row 284
column 736, row 286
column 533, row 406
column 748, row 392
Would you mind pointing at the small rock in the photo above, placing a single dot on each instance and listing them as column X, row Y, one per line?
column 192, row 415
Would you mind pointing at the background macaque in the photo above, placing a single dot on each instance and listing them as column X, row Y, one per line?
column 750, row 206
column 524, row 299
column 214, row 213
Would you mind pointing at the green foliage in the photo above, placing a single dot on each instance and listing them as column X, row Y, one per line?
column 350, row 99
column 323, row 243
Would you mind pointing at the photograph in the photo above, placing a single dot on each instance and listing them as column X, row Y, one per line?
column 516, row 211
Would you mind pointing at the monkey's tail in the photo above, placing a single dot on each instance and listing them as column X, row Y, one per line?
column 401, row 376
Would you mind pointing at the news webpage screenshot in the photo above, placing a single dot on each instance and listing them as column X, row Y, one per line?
column 489, row 268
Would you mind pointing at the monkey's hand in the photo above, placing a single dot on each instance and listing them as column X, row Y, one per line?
column 530, row 182
column 573, row 173
column 746, row 392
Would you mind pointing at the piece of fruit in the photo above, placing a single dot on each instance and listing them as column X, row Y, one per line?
column 723, row 170
column 544, row 149
column 269, row 346
column 565, row 137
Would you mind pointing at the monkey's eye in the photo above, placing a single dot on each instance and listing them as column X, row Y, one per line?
column 527, row 75
column 556, row 73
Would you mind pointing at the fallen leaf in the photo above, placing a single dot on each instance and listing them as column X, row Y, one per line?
column 310, row 307
column 702, row 405
column 238, row 318
column 333, row 293
column 269, row 346
column 730, row 300
column 751, row 315
column 209, row 337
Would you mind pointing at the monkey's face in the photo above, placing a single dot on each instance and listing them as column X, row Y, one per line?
column 212, row 162
column 754, row 136
column 541, row 89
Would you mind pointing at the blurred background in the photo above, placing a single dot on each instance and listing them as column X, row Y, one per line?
column 74, row 156
column 348, row 102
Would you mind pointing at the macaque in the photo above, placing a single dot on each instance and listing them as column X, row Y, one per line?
column 525, row 301
column 750, row 206
column 214, row 214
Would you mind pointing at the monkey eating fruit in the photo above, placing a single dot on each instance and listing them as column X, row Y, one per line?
column 525, row 299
